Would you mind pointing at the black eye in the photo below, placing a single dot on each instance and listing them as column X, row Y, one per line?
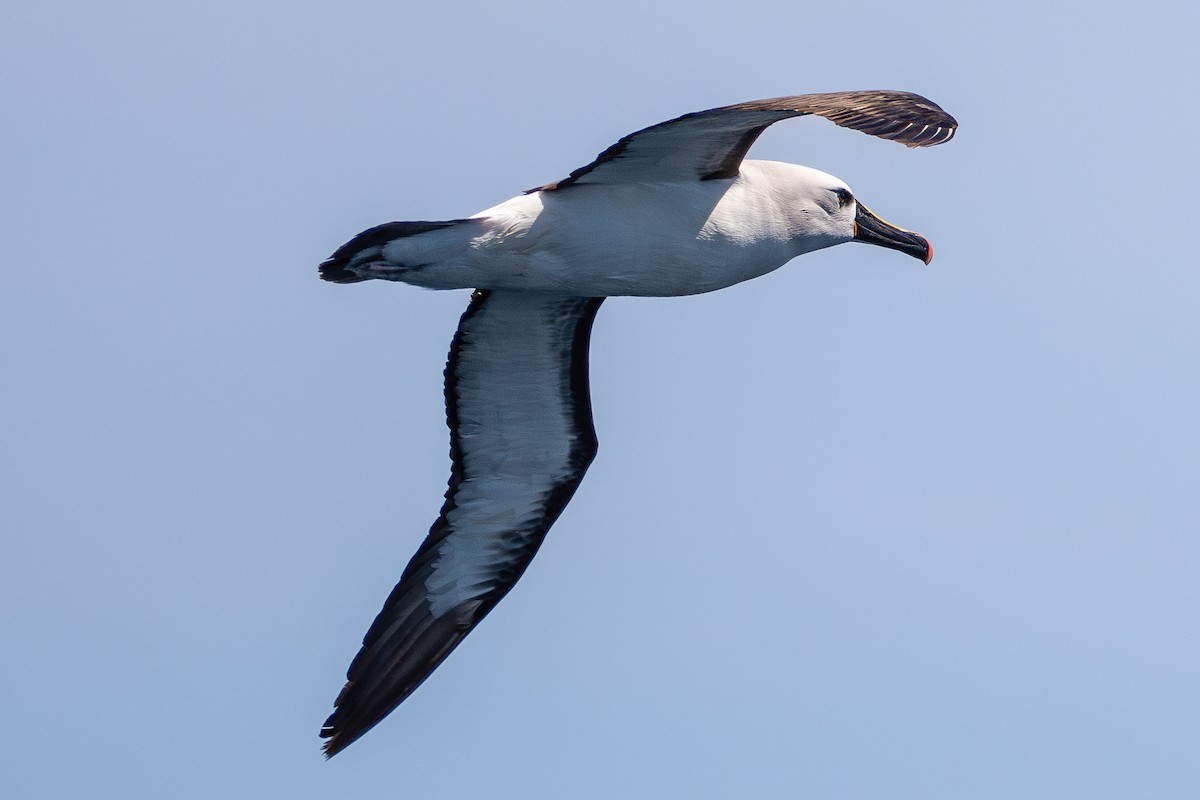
column 844, row 197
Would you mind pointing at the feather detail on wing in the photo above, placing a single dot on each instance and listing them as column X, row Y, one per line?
column 708, row 145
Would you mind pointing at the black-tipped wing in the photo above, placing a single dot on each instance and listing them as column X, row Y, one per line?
column 711, row 144
column 521, row 438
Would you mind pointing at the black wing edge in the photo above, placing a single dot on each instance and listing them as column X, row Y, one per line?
column 405, row 628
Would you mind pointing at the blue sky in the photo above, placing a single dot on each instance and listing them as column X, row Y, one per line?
column 858, row 529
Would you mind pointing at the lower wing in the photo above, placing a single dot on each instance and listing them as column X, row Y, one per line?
column 521, row 438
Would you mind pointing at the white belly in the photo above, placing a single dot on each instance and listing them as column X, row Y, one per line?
column 625, row 239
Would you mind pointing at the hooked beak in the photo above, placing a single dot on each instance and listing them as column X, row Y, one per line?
column 872, row 230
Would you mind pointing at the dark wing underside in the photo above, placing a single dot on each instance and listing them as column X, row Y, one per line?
column 521, row 438
column 706, row 145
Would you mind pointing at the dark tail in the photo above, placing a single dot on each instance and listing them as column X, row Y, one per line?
column 368, row 246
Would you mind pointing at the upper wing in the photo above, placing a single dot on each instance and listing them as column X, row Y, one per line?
column 521, row 438
column 711, row 144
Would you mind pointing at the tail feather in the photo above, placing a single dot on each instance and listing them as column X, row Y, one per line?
column 368, row 246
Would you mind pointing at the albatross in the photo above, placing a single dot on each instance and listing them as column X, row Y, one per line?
column 673, row 209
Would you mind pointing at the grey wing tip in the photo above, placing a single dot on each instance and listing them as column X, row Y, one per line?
column 335, row 737
column 935, row 136
column 334, row 742
column 398, row 654
column 903, row 117
column 932, row 135
column 938, row 128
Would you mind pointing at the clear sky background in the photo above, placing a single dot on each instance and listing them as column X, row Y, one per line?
column 858, row 529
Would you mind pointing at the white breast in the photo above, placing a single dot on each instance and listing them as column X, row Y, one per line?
column 663, row 239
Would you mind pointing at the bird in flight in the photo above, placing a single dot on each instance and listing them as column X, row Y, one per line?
column 673, row 209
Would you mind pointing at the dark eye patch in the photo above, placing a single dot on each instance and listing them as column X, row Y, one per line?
column 844, row 197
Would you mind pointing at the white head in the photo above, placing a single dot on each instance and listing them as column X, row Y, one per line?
column 822, row 211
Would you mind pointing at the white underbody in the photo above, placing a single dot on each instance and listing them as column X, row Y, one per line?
column 650, row 239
